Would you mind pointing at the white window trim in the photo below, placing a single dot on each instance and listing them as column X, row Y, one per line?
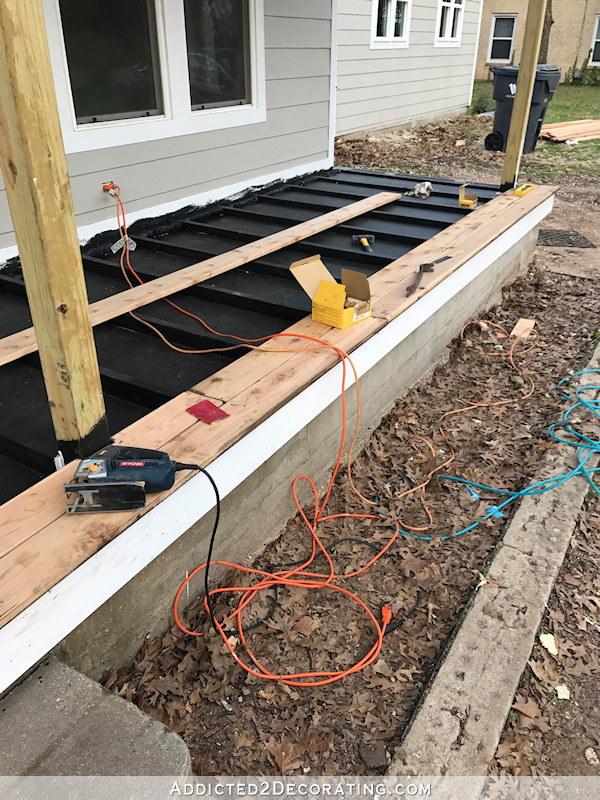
column 491, row 60
column 178, row 118
column 448, row 41
column 389, row 42
column 595, row 38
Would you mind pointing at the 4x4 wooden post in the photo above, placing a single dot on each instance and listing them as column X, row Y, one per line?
column 37, row 186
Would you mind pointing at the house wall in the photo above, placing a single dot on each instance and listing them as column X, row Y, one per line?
column 379, row 88
column 570, row 36
column 295, row 136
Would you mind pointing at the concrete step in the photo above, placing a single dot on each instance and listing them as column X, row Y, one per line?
column 59, row 722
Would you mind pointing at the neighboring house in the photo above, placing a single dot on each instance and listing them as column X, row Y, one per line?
column 183, row 102
column 574, row 36
column 404, row 61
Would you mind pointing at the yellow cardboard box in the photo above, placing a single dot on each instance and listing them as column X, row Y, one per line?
column 337, row 304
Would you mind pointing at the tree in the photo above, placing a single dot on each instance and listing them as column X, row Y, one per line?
column 548, row 23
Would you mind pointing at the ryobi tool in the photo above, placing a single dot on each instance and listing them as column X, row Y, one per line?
column 118, row 478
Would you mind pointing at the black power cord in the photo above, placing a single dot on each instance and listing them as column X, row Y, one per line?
column 274, row 567
column 213, row 536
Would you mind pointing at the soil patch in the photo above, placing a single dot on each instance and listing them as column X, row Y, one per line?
column 237, row 724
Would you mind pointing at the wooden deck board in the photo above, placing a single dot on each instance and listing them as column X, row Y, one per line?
column 251, row 389
column 22, row 343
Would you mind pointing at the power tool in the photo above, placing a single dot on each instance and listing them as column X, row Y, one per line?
column 117, row 479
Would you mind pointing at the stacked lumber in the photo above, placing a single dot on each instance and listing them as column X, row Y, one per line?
column 579, row 130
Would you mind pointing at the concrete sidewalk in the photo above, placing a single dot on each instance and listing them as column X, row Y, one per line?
column 59, row 722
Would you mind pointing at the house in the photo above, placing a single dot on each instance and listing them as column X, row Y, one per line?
column 402, row 62
column 183, row 104
column 574, row 39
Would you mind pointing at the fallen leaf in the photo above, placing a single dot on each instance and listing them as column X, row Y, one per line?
column 306, row 626
column 548, row 641
column 592, row 756
column 530, row 708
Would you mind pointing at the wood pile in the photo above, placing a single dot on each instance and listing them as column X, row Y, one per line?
column 579, row 130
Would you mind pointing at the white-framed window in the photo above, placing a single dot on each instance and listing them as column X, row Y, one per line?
column 449, row 22
column 135, row 71
column 594, row 60
column 390, row 23
column 502, row 38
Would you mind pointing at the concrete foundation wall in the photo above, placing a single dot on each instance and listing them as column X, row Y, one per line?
column 254, row 514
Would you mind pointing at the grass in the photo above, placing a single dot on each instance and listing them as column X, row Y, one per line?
column 568, row 103
column 549, row 162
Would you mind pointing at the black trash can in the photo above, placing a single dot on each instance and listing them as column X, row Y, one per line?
column 546, row 83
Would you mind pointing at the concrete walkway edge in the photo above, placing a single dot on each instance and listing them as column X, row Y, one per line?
column 457, row 728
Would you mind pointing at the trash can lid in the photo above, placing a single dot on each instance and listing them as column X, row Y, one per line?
column 547, row 71
column 510, row 71
column 542, row 71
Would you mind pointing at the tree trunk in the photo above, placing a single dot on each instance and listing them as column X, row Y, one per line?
column 548, row 23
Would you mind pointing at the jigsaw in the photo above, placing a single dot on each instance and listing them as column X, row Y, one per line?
column 118, row 478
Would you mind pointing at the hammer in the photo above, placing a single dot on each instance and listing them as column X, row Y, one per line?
column 365, row 241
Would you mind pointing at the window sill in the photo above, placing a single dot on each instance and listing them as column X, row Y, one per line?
column 103, row 135
column 389, row 44
column 447, row 43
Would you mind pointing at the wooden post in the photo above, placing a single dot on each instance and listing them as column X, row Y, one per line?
column 534, row 26
column 34, row 168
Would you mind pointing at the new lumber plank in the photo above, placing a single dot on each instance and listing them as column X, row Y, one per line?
column 24, row 342
column 60, row 547
column 35, row 565
column 478, row 229
column 532, row 38
column 581, row 130
column 27, row 513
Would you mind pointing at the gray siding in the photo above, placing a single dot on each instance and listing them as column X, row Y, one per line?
column 382, row 88
column 298, row 58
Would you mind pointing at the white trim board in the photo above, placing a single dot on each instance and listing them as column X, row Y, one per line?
column 87, row 232
column 40, row 627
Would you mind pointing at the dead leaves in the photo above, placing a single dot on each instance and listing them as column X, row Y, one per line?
column 306, row 626
column 272, row 728
column 284, row 755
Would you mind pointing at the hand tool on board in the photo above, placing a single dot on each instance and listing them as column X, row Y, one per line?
column 427, row 267
column 117, row 478
column 365, row 240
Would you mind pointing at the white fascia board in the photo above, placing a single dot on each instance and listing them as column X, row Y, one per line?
column 87, row 232
column 40, row 627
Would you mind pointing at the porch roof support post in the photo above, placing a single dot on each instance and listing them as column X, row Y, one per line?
column 534, row 26
column 34, row 168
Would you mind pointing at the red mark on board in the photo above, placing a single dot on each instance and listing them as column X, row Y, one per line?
column 206, row 411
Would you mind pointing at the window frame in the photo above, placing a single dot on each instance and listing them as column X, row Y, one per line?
column 595, row 41
column 178, row 118
column 508, row 60
column 449, row 41
column 390, row 42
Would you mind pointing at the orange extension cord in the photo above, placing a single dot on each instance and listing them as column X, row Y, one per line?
column 300, row 576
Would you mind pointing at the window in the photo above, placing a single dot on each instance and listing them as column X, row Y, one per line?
column 449, row 23
column 390, row 24
column 114, row 68
column 595, row 49
column 502, row 37
column 217, row 51
column 135, row 71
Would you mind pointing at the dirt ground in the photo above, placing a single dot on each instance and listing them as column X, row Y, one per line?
column 238, row 724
